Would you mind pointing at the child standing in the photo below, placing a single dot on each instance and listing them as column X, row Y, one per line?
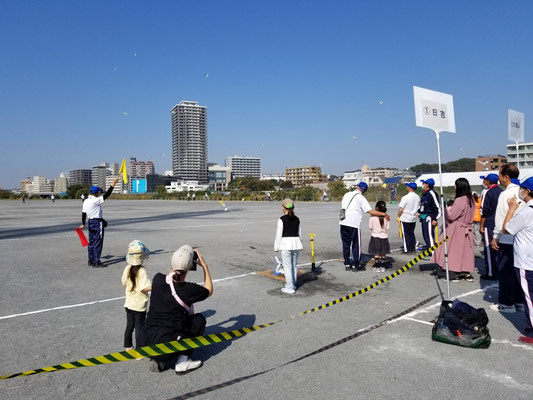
column 137, row 284
column 379, row 239
column 288, row 241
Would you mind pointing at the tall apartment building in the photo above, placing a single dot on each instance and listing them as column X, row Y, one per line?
column 61, row 183
column 40, row 185
column 244, row 166
column 140, row 169
column 80, row 177
column 189, row 141
column 24, row 184
column 301, row 176
column 490, row 163
column 99, row 175
column 525, row 154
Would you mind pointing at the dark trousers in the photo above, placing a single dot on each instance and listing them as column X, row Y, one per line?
column 197, row 328
column 96, row 240
column 491, row 255
column 510, row 292
column 525, row 278
column 134, row 321
column 428, row 232
column 351, row 245
column 409, row 241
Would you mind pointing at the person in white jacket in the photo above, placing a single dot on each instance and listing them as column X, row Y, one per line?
column 288, row 241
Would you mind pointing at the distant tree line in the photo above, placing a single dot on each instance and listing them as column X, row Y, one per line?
column 461, row 165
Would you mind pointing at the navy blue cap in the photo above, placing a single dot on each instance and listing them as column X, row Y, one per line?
column 412, row 185
column 515, row 181
column 94, row 189
column 490, row 177
column 363, row 186
column 429, row 181
column 528, row 184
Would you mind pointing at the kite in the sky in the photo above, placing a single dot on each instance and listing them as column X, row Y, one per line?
column 125, row 113
column 380, row 101
column 206, row 76
column 226, row 207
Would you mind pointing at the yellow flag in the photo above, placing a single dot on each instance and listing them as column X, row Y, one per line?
column 123, row 171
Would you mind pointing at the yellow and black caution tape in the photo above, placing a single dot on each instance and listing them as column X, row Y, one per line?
column 202, row 341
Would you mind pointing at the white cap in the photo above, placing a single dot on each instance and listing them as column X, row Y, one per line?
column 182, row 258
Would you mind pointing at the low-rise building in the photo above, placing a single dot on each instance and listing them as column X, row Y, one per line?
column 24, row 184
column 139, row 169
column 301, row 176
column 276, row 177
column 244, row 166
column 186, row 186
column 490, row 163
column 524, row 155
column 219, row 177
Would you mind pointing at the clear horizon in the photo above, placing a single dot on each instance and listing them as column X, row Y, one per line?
column 292, row 83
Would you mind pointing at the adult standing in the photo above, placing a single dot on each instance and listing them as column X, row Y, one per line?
column 407, row 213
column 171, row 314
column 521, row 225
column 429, row 213
column 489, row 202
column 92, row 209
column 354, row 205
column 82, row 198
column 460, row 245
column 510, row 296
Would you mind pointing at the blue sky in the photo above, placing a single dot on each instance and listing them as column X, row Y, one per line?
column 289, row 81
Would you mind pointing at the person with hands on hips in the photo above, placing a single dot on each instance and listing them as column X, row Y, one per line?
column 92, row 210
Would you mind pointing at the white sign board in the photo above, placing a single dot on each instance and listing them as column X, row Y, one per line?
column 516, row 126
column 434, row 110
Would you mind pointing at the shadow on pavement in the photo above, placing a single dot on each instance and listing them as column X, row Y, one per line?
column 63, row 228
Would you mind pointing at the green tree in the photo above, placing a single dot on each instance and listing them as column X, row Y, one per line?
column 336, row 190
column 75, row 191
column 286, row 185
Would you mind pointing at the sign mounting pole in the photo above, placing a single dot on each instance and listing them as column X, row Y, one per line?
column 434, row 110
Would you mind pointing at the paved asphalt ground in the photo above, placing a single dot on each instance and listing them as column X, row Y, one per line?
column 44, row 267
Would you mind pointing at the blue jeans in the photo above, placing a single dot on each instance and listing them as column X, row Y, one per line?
column 289, row 259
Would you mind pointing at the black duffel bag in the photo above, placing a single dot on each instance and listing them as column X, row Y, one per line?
column 461, row 324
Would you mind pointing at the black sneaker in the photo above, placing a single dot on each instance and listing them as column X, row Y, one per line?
column 359, row 267
column 99, row 265
column 90, row 264
column 468, row 277
column 347, row 267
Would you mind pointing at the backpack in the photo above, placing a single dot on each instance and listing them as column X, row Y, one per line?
column 461, row 324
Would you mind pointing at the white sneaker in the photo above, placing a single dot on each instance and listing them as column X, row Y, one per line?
column 187, row 365
column 288, row 290
column 503, row 309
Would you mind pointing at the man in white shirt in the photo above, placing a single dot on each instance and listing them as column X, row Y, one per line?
column 355, row 205
column 520, row 224
column 92, row 209
column 510, row 296
column 407, row 213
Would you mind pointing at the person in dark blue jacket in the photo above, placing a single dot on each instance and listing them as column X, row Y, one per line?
column 489, row 202
column 428, row 213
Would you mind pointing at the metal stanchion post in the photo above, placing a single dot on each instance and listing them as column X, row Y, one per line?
column 312, row 236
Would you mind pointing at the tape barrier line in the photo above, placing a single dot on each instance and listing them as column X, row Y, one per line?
column 320, row 350
column 207, row 340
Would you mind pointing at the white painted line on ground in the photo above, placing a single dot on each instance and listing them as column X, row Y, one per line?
column 431, row 307
column 416, row 320
column 103, row 301
column 509, row 343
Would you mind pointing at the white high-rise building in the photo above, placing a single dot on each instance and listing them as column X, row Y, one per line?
column 61, row 183
column 244, row 166
column 189, row 141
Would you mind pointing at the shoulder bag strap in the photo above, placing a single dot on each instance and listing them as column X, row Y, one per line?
column 170, row 282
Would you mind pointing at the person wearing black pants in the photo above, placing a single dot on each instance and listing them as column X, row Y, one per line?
column 510, row 293
column 489, row 203
column 134, row 321
column 407, row 212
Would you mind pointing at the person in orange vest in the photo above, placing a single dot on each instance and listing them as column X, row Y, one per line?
column 477, row 220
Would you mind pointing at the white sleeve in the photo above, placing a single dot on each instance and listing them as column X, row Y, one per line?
column 364, row 205
column 279, row 232
column 402, row 202
column 516, row 224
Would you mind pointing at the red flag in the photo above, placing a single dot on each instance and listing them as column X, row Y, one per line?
column 83, row 239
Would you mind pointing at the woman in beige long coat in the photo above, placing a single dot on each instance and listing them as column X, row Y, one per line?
column 459, row 217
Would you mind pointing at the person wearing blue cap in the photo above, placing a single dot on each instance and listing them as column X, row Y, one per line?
column 510, row 296
column 520, row 224
column 92, row 209
column 353, row 206
column 489, row 202
column 407, row 211
column 428, row 213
